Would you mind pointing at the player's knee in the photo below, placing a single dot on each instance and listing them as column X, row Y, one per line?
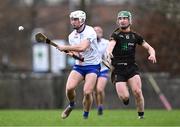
column 137, row 93
column 100, row 90
column 87, row 92
column 123, row 97
column 87, row 96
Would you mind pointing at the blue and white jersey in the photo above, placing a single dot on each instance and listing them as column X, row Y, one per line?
column 91, row 54
column 102, row 45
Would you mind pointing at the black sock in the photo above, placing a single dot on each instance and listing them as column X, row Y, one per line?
column 140, row 113
column 126, row 102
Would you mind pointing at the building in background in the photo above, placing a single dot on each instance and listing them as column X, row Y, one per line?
column 58, row 59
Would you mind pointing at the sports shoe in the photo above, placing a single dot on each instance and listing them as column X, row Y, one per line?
column 140, row 117
column 100, row 111
column 85, row 117
column 66, row 112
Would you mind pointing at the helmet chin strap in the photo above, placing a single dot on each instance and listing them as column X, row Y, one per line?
column 79, row 27
column 98, row 39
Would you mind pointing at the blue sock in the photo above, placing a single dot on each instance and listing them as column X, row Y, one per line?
column 85, row 115
column 100, row 108
column 71, row 103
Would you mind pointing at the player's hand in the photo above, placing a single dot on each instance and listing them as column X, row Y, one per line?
column 61, row 47
column 108, row 56
column 152, row 58
column 70, row 53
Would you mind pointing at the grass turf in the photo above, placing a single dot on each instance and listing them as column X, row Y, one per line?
column 110, row 118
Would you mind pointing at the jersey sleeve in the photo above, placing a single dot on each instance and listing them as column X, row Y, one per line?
column 90, row 35
column 140, row 39
column 114, row 35
column 70, row 39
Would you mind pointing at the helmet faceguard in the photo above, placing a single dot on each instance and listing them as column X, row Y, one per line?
column 81, row 15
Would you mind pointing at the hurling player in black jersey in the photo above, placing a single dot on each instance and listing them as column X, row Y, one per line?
column 122, row 49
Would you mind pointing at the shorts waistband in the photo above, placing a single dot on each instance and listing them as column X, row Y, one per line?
column 124, row 64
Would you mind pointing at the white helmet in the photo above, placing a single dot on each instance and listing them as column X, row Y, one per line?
column 81, row 15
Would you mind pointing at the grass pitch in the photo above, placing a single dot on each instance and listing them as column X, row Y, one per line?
column 110, row 118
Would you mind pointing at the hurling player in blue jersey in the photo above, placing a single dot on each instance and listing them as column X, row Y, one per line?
column 103, row 75
column 82, row 42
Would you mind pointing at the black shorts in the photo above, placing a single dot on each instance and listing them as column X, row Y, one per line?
column 124, row 72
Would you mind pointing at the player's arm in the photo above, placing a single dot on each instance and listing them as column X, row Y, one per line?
column 76, row 48
column 110, row 47
column 71, row 53
column 151, row 51
column 108, row 54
